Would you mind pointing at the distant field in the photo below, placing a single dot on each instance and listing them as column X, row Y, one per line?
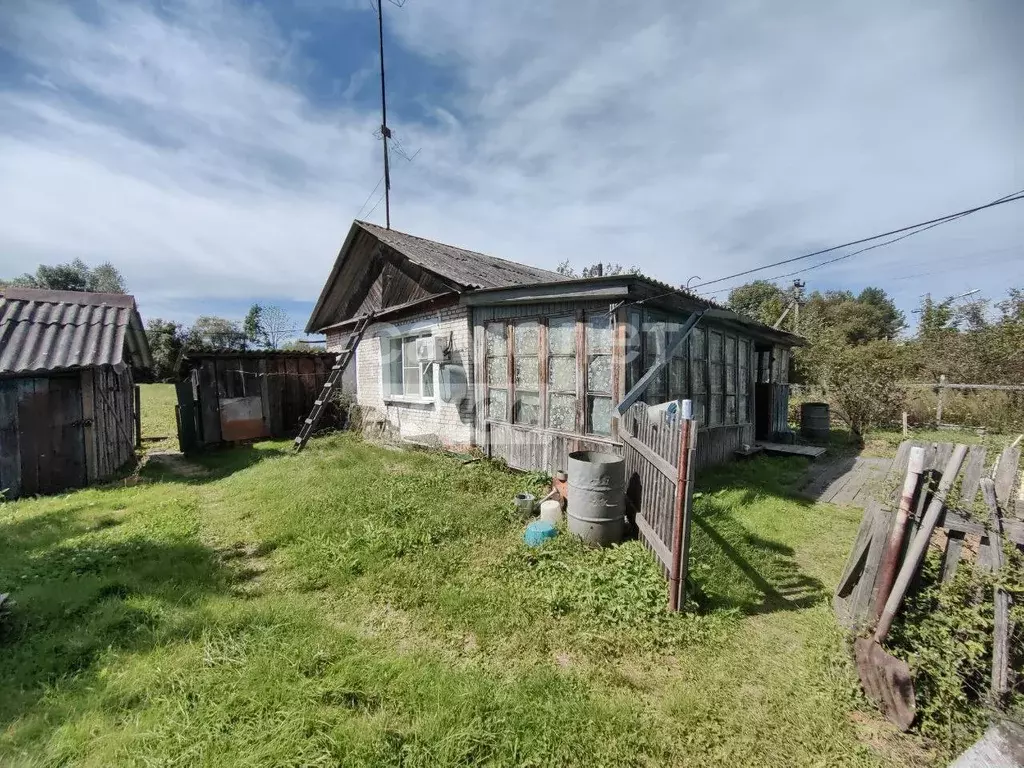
column 158, row 401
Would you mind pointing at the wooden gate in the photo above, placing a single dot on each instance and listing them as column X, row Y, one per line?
column 651, row 449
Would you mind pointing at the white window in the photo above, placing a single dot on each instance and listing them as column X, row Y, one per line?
column 404, row 375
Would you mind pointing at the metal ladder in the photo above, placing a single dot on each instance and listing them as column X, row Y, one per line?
column 341, row 362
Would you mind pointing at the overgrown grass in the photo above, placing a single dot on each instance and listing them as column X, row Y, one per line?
column 360, row 606
column 159, row 429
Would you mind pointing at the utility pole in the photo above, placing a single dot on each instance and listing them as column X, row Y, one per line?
column 798, row 295
column 384, row 130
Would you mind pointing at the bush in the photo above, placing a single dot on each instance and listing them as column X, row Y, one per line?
column 863, row 384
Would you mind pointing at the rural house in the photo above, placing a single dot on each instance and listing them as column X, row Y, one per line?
column 68, row 407
column 466, row 349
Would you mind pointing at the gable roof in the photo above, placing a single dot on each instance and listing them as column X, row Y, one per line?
column 44, row 330
column 460, row 269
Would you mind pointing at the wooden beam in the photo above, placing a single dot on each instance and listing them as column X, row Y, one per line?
column 656, row 461
column 659, row 364
column 1001, row 624
column 652, row 538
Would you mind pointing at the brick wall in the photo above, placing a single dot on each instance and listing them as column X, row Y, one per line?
column 438, row 422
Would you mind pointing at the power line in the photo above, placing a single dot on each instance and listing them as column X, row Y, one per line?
column 1015, row 196
column 367, row 200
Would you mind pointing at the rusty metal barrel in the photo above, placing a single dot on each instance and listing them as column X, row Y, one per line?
column 815, row 421
column 597, row 497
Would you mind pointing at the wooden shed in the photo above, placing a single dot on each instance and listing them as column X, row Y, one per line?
column 230, row 396
column 68, row 404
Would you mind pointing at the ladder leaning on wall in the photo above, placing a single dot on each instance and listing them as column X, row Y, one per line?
column 341, row 362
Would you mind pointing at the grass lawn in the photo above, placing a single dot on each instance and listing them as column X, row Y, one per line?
column 159, row 429
column 354, row 605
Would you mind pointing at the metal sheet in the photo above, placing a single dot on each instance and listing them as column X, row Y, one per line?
column 241, row 418
column 61, row 330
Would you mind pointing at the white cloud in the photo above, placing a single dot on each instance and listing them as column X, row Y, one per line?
column 705, row 138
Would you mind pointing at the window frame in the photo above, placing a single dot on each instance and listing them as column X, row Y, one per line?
column 426, row 370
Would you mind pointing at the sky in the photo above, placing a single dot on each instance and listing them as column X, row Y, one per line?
column 216, row 151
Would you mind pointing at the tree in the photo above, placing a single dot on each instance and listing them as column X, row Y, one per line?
column 863, row 382
column 210, row 333
column 166, row 339
column 871, row 316
column 268, row 325
column 598, row 269
column 276, row 325
column 74, row 276
column 251, row 325
column 760, row 300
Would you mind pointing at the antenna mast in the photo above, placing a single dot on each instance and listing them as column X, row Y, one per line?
column 384, row 130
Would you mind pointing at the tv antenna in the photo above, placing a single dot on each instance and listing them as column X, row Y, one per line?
column 385, row 132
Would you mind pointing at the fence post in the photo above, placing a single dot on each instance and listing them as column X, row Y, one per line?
column 683, row 510
column 906, row 425
column 942, row 395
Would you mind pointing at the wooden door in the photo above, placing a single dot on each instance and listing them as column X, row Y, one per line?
column 51, row 434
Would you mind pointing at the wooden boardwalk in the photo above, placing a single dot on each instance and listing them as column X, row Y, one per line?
column 849, row 481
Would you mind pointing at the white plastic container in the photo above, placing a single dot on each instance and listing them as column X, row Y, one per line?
column 551, row 511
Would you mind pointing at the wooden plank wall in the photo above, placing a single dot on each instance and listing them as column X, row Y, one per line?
column 286, row 384
column 64, row 431
column 113, row 418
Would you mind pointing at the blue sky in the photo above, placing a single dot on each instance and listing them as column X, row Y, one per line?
column 217, row 151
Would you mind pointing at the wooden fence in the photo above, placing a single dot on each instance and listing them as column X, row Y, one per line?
column 658, row 497
column 970, row 531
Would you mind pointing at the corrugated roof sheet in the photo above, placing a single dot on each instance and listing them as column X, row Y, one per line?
column 42, row 330
column 467, row 268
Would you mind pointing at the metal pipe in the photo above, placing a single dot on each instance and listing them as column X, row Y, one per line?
column 915, row 554
column 681, row 502
column 887, row 575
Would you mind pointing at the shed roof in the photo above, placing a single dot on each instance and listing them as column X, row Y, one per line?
column 44, row 330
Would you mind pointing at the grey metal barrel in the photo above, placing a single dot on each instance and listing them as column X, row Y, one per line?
column 597, row 497
column 815, row 421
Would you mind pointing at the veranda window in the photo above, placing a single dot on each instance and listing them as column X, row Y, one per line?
column 730, row 380
column 526, row 361
column 599, row 374
column 743, row 366
column 698, row 374
column 562, row 373
column 497, row 371
column 716, row 367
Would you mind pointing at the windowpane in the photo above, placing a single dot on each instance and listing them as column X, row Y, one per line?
column 527, row 336
column 497, row 404
column 562, row 373
column 599, row 334
column 562, row 412
column 562, row 336
column 409, row 352
column 497, row 340
column 699, row 414
column 599, row 374
column 527, row 408
column 497, row 371
column 428, row 379
column 730, row 365
column 634, row 358
column 715, row 416
column 394, row 363
column 730, row 409
column 599, row 415
column 527, row 371
column 677, row 379
column 741, row 409
column 412, row 380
